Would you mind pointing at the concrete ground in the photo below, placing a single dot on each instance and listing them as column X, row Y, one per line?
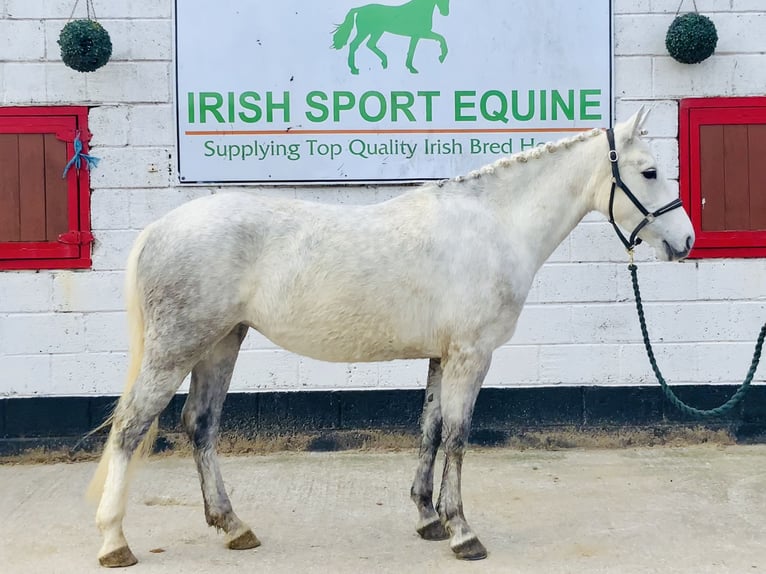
column 671, row 510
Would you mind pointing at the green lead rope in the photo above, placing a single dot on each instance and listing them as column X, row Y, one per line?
column 735, row 399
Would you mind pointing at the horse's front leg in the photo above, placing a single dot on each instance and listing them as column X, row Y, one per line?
column 463, row 373
column 429, row 526
column 411, row 53
column 442, row 43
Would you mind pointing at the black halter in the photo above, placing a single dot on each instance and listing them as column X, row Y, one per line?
column 633, row 240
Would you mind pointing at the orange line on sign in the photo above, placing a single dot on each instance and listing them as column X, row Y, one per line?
column 380, row 132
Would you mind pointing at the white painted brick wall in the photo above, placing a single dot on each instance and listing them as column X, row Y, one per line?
column 64, row 332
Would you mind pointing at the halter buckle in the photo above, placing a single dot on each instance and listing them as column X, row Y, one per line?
column 649, row 217
column 613, row 157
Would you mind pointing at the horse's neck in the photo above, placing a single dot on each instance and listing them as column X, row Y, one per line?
column 542, row 200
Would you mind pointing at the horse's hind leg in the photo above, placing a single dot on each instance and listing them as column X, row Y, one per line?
column 463, row 373
column 201, row 418
column 151, row 393
column 352, row 48
column 429, row 525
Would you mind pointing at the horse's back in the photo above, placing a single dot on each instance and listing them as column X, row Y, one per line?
column 341, row 283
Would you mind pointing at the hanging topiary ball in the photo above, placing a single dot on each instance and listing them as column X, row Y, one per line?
column 85, row 45
column 691, row 38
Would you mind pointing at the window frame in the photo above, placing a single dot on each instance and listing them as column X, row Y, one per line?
column 696, row 112
column 73, row 248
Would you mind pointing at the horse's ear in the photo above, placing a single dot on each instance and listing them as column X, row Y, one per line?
column 632, row 127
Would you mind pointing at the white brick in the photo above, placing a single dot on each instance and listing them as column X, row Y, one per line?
column 614, row 323
column 22, row 40
column 40, row 9
column 106, row 332
column 726, row 363
column 665, row 150
column 749, row 66
column 29, row 334
column 741, row 33
column 694, row 321
column 579, row 364
column 88, row 291
column 572, row 282
column 661, row 281
column 732, row 279
column 719, row 75
column 747, row 5
column 22, row 83
column 671, row 6
column 25, row 375
column 404, row 374
column 514, row 365
column 130, row 82
column 677, row 363
column 109, row 125
column 631, row 6
column 345, row 195
column 152, row 126
column 363, row 375
column 322, row 375
column 747, row 318
column 151, row 40
column 265, row 370
column 546, row 324
column 633, row 76
column 639, row 35
column 147, row 205
column 125, row 168
column 662, row 121
column 562, row 253
column 25, row 292
column 111, row 249
column 135, row 9
column 110, row 209
column 88, row 374
column 63, row 85
column 596, row 242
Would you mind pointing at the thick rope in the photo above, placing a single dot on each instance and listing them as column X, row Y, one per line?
column 735, row 399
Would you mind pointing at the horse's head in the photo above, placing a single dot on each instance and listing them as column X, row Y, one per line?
column 443, row 6
column 653, row 213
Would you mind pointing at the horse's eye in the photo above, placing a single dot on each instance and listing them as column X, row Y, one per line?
column 650, row 173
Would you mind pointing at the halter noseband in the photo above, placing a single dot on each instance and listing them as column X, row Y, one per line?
column 633, row 240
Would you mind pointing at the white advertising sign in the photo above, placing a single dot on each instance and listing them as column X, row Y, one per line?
column 339, row 91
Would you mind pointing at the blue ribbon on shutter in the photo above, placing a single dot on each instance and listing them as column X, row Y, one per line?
column 76, row 161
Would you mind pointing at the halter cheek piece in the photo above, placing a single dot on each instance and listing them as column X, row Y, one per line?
column 633, row 240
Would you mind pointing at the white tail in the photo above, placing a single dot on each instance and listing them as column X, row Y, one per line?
column 136, row 353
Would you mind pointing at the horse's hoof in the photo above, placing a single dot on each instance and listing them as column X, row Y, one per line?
column 442, row 58
column 355, row 71
column 471, row 549
column 120, row 558
column 433, row 531
column 244, row 541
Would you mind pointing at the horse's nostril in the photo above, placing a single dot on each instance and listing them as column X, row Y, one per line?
column 688, row 242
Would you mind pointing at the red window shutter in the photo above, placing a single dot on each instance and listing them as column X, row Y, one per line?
column 722, row 144
column 44, row 218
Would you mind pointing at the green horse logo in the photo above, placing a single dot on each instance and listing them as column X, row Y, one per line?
column 413, row 19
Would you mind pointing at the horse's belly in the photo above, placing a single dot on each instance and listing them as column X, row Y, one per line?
column 337, row 344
